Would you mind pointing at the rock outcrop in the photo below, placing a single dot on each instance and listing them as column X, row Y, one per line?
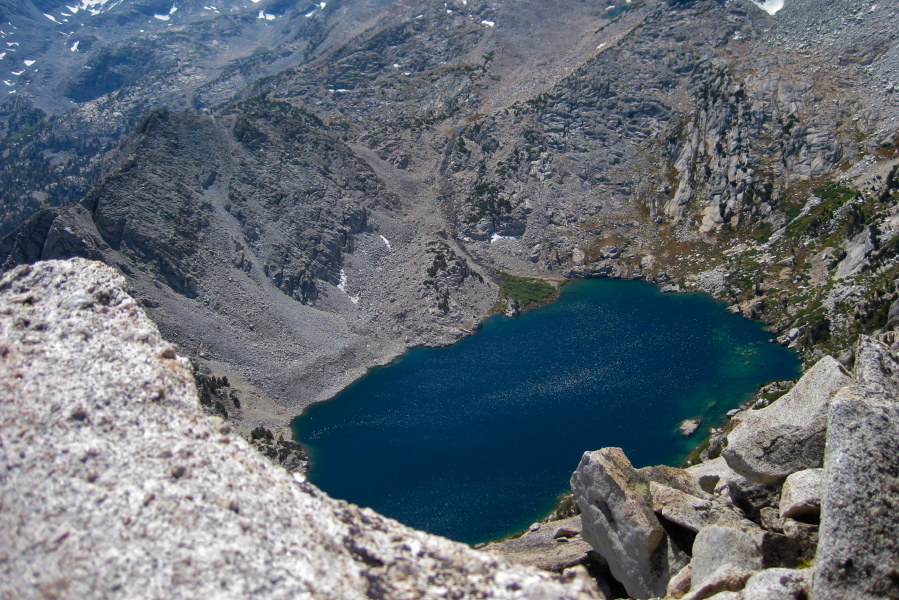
column 858, row 550
column 767, row 445
column 618, row 521
column 801, row 494
column 114, row 484
column 752, row 518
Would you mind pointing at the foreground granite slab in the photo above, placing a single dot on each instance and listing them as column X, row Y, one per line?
column 858, row 548
column 113, row 484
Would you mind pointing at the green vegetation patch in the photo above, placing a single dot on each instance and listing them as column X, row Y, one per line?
column 528, row 291
column 818, row 221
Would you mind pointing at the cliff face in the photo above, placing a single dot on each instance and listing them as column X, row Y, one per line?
column 115, row 485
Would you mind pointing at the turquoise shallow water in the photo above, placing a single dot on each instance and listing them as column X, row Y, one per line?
column 476, row 440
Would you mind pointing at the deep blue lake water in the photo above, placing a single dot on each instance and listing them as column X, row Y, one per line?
column 475, row 441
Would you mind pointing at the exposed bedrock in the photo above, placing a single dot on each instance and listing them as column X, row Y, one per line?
column 768, row 444
column 115, row 485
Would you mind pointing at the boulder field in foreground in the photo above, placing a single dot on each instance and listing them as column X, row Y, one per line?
column 801, row 504
column 113, row 483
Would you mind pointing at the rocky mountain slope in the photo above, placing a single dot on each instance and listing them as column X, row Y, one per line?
column 361, row 193
column 116, row 485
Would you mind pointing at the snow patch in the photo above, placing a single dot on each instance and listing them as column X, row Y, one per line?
column 769, row 6
column 2, row 55
column 488, row 23
column 52, row 18
column 168, row 16
column 497, row 237
column 74, row 47
column 94, row 7
column 262, row 15
column 28, row 63
column 17, row 73
column 342, row 287
column 8, row 82
column 389, row 247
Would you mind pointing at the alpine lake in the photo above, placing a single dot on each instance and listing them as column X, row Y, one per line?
column 475, row 441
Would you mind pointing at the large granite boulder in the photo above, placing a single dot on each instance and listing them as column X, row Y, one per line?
column 618, row 519
column 768, row 444
column 685, row 510
column 801, row 494
column 778, row 584
column 115, row 485
column 752, row 497
column 877, row 366
column 752, row 549
column 726, row 578
column 858, row 548
column 713, row 475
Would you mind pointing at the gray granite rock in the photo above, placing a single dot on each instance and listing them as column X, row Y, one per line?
column 115, row 485
column 804, row 535
column 713, row 475
column 858, row 548
column 689, row 426
column 857, row 250
column 877, row 366
column 748, row 548
column 682, row 509
column 724, row 596
column 726, row 578
column 778, row 584
column 801, row 494
column 618, row 520
column 770, row 519
column 543, row 549
column 768, row 444
column 716, row 547
column 751, row 497
column 679, row 585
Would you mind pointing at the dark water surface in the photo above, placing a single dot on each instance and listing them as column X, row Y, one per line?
column 476, row 440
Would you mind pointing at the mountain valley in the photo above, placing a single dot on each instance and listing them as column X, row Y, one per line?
column 297, row 192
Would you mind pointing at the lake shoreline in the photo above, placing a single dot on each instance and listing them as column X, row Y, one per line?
column 684, row 331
